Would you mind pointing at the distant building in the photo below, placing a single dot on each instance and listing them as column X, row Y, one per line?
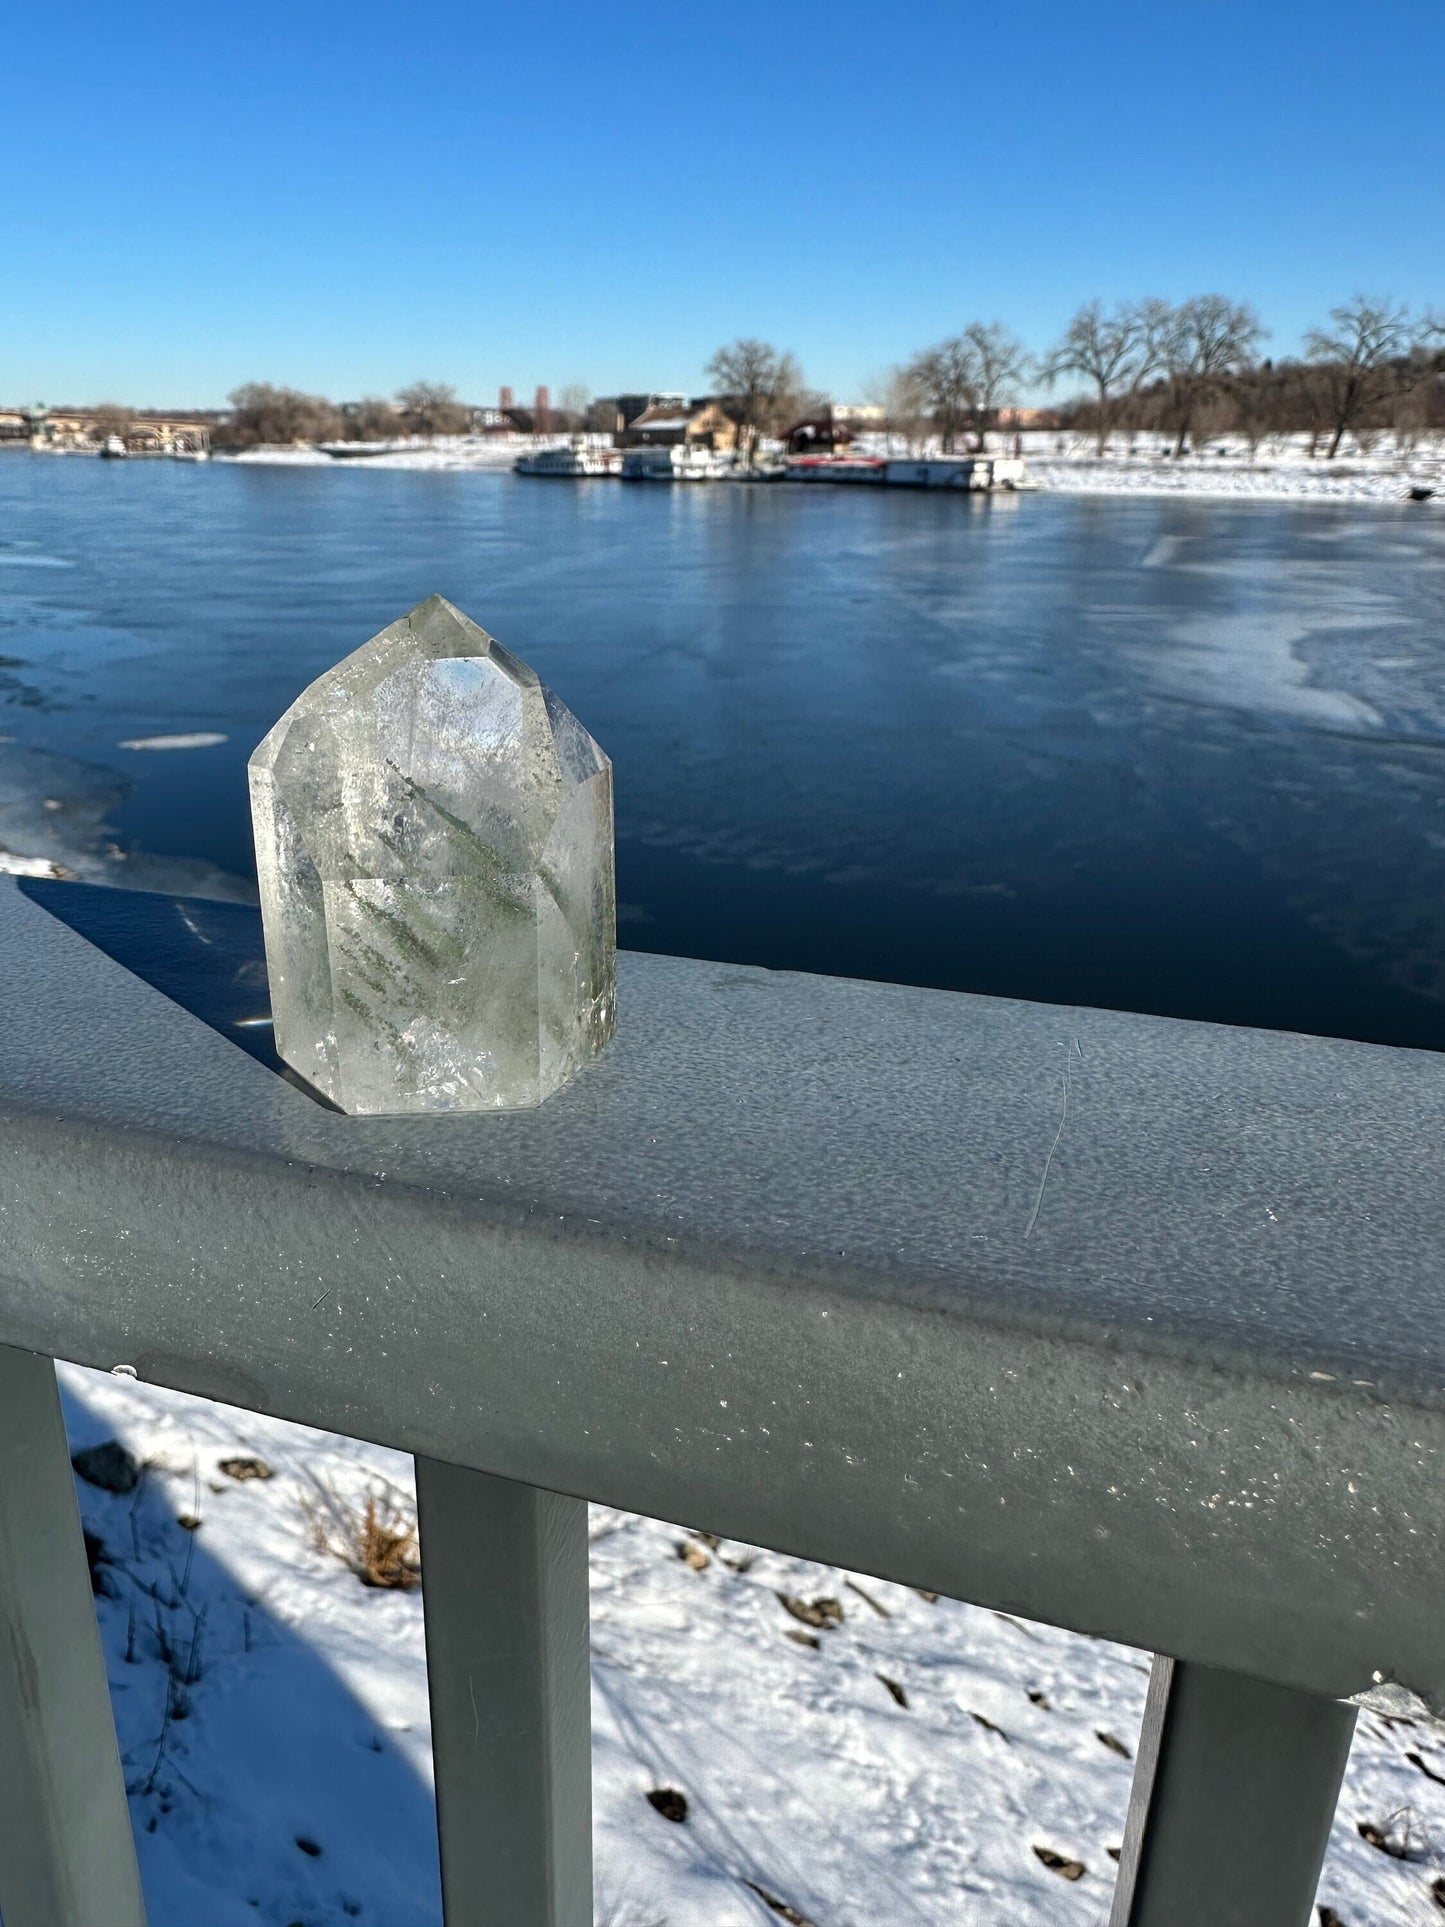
column 511, row 418
column 1028, row 418
column 14, row 425
column 819, row 434
column 627, row 408
column 672, row 422
column 859, row 414
column 492, row 421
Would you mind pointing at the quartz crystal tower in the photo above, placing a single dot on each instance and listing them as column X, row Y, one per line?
column 434, row 845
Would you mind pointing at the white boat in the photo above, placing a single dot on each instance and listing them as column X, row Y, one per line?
column 979, row 472
column 113, row 448
column 569, row 459
column 674, row 465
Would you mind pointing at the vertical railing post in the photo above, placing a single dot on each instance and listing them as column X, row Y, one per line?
column 1235, row 1786
column 67, row 1857
column 504, row 1576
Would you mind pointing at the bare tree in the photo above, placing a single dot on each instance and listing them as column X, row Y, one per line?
column 758, row 384
column 110, row 418
column 1409, row 416
column 901, row 409
column 262, row 412
column 1116, row 352
column 1260, row 402
column 809, row 403
column 1202, row 343
column 1306, row 402
column 1364, row 360
column 372, row 419
column 569, row 410
column 904, row 408
column 943, row 382
column 965, row 378
column 431, row 408
column 1000, row 363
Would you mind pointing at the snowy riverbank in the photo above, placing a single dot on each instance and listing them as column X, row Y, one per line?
column 849, row 1752
column 1225, row 469
column 496, row 452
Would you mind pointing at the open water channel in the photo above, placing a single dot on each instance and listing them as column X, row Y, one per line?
column 1183, row 757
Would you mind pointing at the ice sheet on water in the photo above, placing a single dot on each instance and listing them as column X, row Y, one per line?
column 1249, row 660
column 190, row 739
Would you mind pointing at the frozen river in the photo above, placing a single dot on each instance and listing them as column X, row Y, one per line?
column 1185, row 757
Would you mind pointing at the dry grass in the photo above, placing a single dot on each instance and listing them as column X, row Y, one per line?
column 1402, row 1835
column 374, row 1537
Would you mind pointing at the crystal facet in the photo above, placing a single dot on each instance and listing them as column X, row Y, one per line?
column 434, row 846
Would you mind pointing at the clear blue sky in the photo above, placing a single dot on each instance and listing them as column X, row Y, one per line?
column 349, row 196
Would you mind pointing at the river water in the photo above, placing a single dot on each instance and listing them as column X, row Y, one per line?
column 1184, row 757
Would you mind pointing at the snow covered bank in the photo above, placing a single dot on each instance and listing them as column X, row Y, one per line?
column 849, row 1753
column 1264, row 482
column 444, row 452
column 1226, row 469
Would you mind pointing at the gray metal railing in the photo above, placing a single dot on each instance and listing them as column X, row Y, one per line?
column 1122, row 1323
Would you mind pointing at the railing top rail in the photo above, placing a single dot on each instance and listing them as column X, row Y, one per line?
column 1130, row 1324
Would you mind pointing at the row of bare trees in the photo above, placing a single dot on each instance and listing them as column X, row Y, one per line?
column 1189, row 350
column 1372, row 353
column 762, row 387
column 1184, row 369
column 1180, row 367
column 262, row 412
column 962, row 382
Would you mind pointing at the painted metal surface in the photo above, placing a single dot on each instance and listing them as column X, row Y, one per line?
column 1132, row 1325
column 1235, row 1787
column 66, row 1854
column 509, row 1679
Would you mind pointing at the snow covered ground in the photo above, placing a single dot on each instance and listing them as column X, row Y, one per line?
column 878, row 1761
column 445, row 451
column 1279, row 470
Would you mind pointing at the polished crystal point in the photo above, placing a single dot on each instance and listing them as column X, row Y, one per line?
column 434, row 846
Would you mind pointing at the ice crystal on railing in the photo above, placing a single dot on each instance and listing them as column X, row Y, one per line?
column 434, row 847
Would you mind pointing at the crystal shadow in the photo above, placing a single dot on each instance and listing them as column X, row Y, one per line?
column 206, row 956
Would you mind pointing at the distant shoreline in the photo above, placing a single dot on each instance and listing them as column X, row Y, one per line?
column 1227, row 473
column 1284, row 474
